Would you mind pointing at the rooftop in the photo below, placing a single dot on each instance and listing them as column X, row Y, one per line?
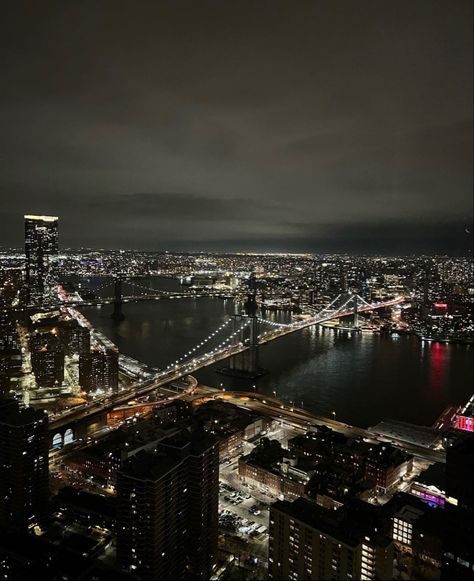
column 11, row 414
column 41, row 218
column 411, row 433
column 152, row 465
column 146, row 465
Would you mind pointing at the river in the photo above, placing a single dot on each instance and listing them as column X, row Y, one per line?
column 359, row 378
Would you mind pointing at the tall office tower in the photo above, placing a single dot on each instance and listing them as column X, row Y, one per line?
column 307, row 541
column 98, row 369
column 167, row 509
column 24, row 481
column 41, row 249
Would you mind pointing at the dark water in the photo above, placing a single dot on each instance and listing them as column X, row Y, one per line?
column 363, row 378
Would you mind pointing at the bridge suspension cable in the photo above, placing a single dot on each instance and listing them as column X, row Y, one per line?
column 202, row 343
column 324, row 314
column 154, row 290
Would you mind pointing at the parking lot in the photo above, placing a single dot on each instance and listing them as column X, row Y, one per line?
column 250, row 511
column 242, row 517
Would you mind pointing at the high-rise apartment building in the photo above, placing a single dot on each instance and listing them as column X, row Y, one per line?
column 47, row 358
column 41, row 249
column 98, row 369
column 167, row 520
column 10, row 342
column 4, row 374
column 307, row 541
column 24, row 481
column 201, row 453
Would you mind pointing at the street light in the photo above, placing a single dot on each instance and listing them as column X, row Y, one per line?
column 334, row 416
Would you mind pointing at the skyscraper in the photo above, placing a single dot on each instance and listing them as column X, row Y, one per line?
column 41, row 248
column 24, row 481
column 168, row 509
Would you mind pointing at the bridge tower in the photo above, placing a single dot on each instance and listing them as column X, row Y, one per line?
column 246, row 364
column 356, row 312
column 117, row 314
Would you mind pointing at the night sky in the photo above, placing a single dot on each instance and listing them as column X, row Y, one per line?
column 230, row 125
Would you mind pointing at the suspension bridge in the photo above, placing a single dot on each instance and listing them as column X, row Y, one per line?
column 238, row 339
column 121, row 290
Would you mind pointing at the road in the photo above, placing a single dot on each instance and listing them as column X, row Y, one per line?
column 296, row 417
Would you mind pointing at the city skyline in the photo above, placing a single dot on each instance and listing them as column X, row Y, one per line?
column 198, row 416
column 236, row 290
column 261, row 129
column 464, row 248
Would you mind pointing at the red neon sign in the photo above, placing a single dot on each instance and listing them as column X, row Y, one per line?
column 465, row 423
column 441, row 305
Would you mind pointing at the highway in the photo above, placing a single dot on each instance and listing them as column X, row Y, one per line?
column 296, row 417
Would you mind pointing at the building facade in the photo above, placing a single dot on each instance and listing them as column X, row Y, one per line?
column 24, row 448
column 41, row 249
column 99, row 370
column 167, row 520
column 307, row 541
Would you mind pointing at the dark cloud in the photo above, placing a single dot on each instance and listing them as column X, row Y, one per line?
column 254, row 123
column 179, row 206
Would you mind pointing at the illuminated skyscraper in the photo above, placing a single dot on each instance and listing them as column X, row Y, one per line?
column 41, row 248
